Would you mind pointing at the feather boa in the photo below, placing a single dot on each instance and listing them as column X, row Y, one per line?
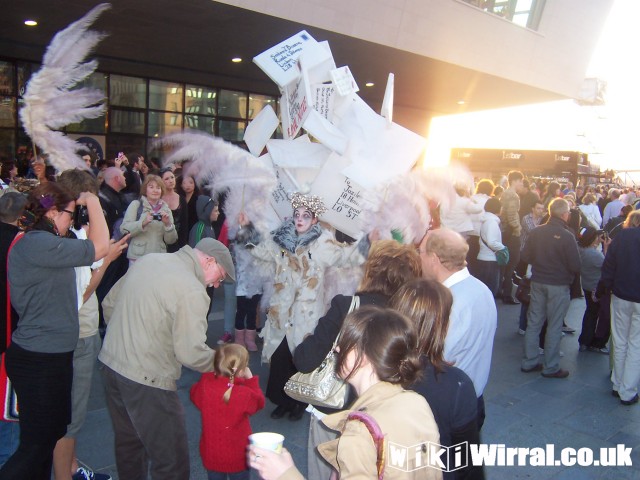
column 220, row 166
column 49, row 101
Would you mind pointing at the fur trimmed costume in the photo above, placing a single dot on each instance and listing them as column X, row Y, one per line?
column 298, row 297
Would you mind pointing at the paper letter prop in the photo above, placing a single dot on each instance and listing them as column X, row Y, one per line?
column 295, row 107
column 387, row 102
column 325, row 132
column 279, row 61
column 342, row 197
column 344, row 81
column 260, row 130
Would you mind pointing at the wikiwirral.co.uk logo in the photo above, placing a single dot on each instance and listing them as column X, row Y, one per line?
column 428, row 455
column 455, row 457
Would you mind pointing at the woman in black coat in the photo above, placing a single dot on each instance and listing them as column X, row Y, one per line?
column 387, row 268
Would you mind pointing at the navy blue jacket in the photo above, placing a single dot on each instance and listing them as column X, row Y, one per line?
column 621, row 267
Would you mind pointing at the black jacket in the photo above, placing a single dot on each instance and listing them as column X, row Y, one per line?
column 553, row 253
column 313, row 349
column 113, row 206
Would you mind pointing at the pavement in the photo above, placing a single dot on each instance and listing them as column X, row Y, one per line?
column 523, row 410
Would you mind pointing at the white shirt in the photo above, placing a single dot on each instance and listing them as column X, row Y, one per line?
column 472, row 327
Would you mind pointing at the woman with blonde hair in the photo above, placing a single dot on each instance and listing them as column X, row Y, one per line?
column 591, row 210
column 389, row 265
column 149, row 221
column 447, row 389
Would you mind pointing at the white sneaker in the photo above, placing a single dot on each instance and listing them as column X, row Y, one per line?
column 541, row 352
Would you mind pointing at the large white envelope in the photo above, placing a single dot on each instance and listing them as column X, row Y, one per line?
column 325, row 132
column 260, row 130
column 279, row 62
column 377, row 150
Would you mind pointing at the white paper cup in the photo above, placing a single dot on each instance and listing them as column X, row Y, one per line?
column 267, row 440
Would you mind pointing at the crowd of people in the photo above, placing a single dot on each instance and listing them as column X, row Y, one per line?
column 414, row 341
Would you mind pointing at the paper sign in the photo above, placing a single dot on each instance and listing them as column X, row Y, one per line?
column 260, row 130
column 295, row 107
column 279, row 62
column 342, row 196
column 344, row 81
column 387, row 102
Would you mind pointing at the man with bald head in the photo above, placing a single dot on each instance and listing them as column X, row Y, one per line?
column 113, row 207
column 473, row 319
column 552, row 252
column 111, row 199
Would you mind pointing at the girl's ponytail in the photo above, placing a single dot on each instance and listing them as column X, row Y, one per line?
column 228, row 361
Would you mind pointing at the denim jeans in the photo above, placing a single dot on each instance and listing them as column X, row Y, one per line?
column 9, row 439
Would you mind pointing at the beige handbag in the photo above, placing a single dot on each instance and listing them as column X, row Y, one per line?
column 321, row 387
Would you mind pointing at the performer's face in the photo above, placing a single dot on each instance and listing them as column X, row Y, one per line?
column 303, row 219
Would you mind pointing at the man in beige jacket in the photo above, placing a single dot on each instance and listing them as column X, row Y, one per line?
column 157, row 322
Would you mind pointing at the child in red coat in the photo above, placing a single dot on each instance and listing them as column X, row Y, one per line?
column 226, row 398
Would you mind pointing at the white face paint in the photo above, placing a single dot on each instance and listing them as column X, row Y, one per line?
column 303, row 220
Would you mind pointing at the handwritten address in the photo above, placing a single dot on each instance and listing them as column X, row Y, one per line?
column 348, row 203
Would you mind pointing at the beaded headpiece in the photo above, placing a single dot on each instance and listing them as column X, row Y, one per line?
column 313, row 203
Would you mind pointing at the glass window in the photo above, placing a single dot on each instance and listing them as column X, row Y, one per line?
column 128, row 91
column 96, row 80
column 7, row 142
column 7, row 78
column 232, row 104
column 124, row 143
column 161, row 123
column 90, row 125
column 25, row 70
column 200, row 100
column 165, row 96
column 231, row 131
column 199, row 122
column 127, row 121
column 258, row 102
column 526, row 13
column 7, row 112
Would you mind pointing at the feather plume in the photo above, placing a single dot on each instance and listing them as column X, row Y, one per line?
column 220, row 166
column 49, row 101
column 403, row 203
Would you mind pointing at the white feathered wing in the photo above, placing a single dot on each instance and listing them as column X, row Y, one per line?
column 49, row 101
column 221, row 166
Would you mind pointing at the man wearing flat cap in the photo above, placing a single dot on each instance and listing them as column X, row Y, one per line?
column 156, row 323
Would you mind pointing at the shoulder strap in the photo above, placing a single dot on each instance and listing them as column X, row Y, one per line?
column 376, row 435
column 355, row 304
column 199, row 230
column 486, row 243
column 140, row 208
